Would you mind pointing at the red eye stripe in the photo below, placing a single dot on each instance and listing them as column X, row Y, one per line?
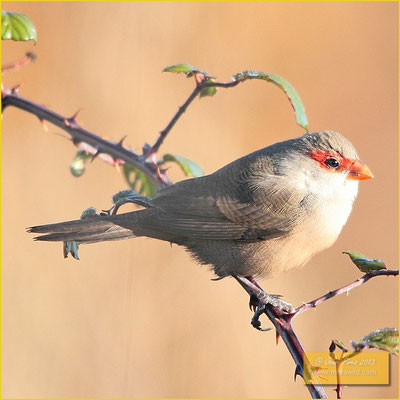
column 321, row 156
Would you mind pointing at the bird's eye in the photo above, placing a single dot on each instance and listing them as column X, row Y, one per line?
column 332, row 162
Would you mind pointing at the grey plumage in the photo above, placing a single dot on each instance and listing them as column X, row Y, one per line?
column 256, row 216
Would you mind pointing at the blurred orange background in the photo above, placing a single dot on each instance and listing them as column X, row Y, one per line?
column 138, row 318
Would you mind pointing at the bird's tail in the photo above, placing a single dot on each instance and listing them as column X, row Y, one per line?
column 89, row 230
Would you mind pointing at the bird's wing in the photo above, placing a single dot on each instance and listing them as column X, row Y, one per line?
column 243, row 213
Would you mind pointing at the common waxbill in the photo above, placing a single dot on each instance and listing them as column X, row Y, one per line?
column 262, row 214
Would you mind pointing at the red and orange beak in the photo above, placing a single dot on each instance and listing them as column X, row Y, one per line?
column 359, row 171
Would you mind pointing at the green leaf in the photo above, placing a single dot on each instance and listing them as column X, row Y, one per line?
column 189, row 167
column 208, row 91
column 365, row 264
column 17, row 27
column 383, row 339
column 294, row 98
column 78, row 164
column 187, row 69
column 138, row 181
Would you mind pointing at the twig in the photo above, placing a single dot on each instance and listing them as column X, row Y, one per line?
column 339, row 386
column 283, row 326
column 79, row 134
column 165, row 131
column 344, row 289
column 202, row 85
column 29, row 57
column 145, row 162
column 339, row 364
column 282, row 322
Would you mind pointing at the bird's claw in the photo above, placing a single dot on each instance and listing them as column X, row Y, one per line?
column 253, row 303
column 255, row 321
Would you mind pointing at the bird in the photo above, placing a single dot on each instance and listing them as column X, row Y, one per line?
column 263, row 214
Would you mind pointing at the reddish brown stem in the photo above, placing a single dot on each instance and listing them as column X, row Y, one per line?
column 339, row 386
column 344, row 289
column 283, row 326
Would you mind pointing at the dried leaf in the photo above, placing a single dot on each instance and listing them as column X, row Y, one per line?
column 337, row 343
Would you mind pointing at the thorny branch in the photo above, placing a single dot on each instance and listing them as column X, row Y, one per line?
column 146, row 162
column 81, row 136
column 284, row 329
column 344, row 289
column 283, row 322
column 96, row 145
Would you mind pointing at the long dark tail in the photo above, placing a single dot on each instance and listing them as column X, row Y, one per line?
column 90, row 230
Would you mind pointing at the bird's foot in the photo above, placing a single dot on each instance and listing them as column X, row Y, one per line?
column 271, row 299
column 275, row 301
column 259, row 297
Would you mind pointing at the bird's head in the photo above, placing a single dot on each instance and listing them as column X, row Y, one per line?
column 335, row 154
column 325, row 164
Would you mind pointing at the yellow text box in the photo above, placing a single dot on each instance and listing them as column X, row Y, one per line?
column 365, row 368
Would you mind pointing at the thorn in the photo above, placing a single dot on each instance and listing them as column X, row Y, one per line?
column 119, row 144
column 72, row 122
column 161, row 175
column 146, row 148
column 99, row 151
column 15, row 89
column 277, row 336
column 73, row 118
column 297, row 371
column 44, row 125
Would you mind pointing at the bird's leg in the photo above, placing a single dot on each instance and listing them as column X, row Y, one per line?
column 258, row 297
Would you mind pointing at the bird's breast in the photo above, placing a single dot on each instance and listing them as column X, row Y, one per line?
column 327, row 214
